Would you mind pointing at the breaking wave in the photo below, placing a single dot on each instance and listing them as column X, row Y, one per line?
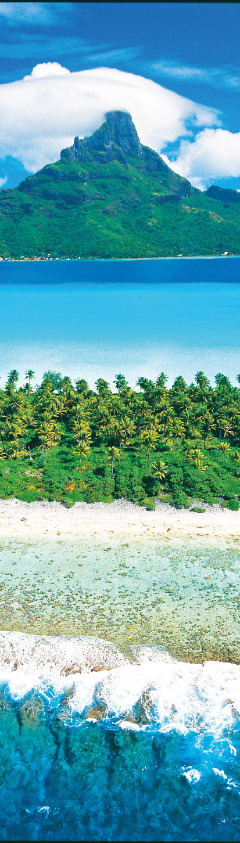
column 90, row 679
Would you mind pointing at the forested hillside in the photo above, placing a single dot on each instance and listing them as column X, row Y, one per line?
column 111, row 197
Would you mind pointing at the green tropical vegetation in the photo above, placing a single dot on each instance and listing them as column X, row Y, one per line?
column 127, row 204
column 65, row 442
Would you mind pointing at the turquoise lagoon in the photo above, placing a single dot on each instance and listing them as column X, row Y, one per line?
column 98, row 318
column 120, row 659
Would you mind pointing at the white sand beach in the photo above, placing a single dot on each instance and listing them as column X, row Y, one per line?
column 43, row 518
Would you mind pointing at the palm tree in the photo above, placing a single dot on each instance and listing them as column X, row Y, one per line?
column 63, row 405
column 83, row 448
column 208, row 425
column 225, row 448
column 11, row 381
column 126, row 431
column 82, row 387
column 82, row 437
column 14, row 432
column 102, row 388
column 113, row 453
column 160, row 471
column 202, row 390
column 149, row 435
column 179, row 431
column 48, row 432
column 202, row 382
column 30, row 375
column 122, row 385
column 221, row 423
column 103, row 421
column 161, row 382
column 223, row 382
column 196, row 456
column 148, row 388
column 227, row 429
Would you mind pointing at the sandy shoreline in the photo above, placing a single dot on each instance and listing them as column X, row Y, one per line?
column 116, row 260
column 51, row 519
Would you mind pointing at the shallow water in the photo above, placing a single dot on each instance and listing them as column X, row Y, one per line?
column 182, row 596
column 98, row 318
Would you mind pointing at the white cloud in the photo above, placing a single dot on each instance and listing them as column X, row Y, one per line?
column 217, row 77
column 49, row 68
column 3, row 181
column 214, row 154
column 42, row 113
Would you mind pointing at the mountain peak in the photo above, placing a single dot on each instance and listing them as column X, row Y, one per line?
column 116, row 139
column 120, row 130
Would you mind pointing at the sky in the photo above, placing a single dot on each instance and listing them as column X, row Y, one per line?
column 174, row 66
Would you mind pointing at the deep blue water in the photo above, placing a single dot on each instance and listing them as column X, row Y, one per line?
column 95, row 745
column 91, row 319
column 169, row 270
column 96, row 781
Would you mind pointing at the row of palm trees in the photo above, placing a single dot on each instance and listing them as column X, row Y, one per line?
column 193, row 419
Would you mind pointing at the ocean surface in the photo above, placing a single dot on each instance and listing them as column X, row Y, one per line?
column 120, row 660
column 98, row 746
column 101, row 318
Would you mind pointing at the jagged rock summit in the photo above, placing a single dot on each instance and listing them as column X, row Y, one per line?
column 117, row 139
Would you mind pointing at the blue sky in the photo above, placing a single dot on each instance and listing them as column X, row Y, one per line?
column 191, row 50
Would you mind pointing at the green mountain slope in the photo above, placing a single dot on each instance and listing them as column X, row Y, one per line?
column 111, row 197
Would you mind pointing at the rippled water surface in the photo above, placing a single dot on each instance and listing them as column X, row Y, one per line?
column 144, row 748
column 97, row 782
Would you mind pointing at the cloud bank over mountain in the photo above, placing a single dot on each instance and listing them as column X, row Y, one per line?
column 43, row 112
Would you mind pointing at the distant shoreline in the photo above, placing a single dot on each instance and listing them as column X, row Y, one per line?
column 118, row 260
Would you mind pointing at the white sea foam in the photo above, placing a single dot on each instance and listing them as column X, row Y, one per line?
column 219, row 773
column 148, row 688
column 192, row 775
column 36, row 662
